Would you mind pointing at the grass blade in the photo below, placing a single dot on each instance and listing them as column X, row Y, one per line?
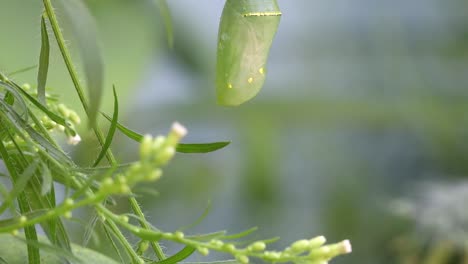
column 182, row 147
column 112, row 129
column 84, row 30
column 167, row 20
column 43, row 62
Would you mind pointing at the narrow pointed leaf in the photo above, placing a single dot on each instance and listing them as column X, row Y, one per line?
column 167, row 20
column 43, row 62
column 179, row 256
column 22, row 70
column 111, row 132
column 181, row 147
column 56, row 118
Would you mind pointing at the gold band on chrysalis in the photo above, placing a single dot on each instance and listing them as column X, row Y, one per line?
column 273, row 13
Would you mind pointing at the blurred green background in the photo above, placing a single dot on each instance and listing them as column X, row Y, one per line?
column 359, row 133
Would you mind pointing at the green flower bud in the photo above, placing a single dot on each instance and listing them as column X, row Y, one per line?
column 154, row 175
column 157, row 144
column 68, row 215
column 146, row 146
column 23, row 219
column 63, row 110
column 257, row 246
column 124, row 218
column 165, row 155
column 26, row 86
column 142, row 246
column 68, row 202
column 230, row 248
column 272, row 255
column 74, row 117
column 216, row 243
column 317, row 242
column 179, row 235
column 300, row 246
column 203, row 250
column 242, row 259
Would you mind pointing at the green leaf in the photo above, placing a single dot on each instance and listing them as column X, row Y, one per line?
column 25, row 69
column 166, row 16
column 181, row 147
column 84, row 29
column 43, row 62
column 200, row 218
column 201, row 147
column 56, row 118
column 179, row 256
column 112, row 129
column 241, row 234
column 9, row 98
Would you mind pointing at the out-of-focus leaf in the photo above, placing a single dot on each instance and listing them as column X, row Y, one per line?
column 46, row 180
column 43, row 62
column 84, row 29
column 166, row 16
column 181, row 147
column 25, row 69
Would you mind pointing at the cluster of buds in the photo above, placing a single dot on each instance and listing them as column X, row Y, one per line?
column 304, row 251
column 154, row 153
column 70, row 116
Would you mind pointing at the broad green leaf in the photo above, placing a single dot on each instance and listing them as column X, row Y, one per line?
column 181, row 147
column 86, row 36
column 43, row 62
column 111, row 132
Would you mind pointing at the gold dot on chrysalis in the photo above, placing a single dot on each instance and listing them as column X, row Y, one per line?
column 250, row 80
column 261, row 71
column 229, row 85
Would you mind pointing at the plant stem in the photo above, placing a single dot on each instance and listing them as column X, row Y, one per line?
column 74, row 76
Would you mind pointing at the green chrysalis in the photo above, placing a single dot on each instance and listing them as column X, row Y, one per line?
column 246, row 32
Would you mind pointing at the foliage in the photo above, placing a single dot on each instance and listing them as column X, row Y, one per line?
column 36, row 164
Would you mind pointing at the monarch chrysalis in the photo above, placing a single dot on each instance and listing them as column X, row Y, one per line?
column 246, row 32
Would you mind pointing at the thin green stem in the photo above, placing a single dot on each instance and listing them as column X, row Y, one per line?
column 74, row 76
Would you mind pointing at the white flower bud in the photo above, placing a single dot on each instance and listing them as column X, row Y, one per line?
column 73, row 140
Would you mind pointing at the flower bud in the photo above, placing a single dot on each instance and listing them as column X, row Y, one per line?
column 300, row 245
column 203, row 250
column 242, row 259
column 146, row 146
column 257, row 246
